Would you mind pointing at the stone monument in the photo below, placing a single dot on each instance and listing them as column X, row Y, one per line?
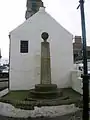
column 45, row 89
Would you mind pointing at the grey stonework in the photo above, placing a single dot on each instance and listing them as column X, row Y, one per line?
column 45, row 89
column 32, row 7
column 45, row 63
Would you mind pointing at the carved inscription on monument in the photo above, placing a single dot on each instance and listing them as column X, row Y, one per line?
column 45, row 63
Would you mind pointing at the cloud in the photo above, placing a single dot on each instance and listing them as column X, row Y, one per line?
column 66, row 13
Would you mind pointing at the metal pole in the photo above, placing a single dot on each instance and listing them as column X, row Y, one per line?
column 85, row 73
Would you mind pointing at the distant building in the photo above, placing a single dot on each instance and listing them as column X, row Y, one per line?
column 33, row 7
column 77, row 49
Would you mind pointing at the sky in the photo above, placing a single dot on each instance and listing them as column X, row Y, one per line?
column 12, row 14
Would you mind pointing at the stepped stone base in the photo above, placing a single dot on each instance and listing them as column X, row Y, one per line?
column 45, row 91
column 45, row 87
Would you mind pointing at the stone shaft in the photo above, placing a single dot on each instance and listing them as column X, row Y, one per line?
column 45, row 63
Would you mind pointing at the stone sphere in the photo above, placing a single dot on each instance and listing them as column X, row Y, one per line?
column 44, row 36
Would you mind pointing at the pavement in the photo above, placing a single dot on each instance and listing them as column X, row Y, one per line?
column 72, row 116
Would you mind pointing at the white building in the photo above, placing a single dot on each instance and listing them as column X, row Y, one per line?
column 25, row 46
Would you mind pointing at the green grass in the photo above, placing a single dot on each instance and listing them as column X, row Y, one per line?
column 16, row 95
column 71, row 93
column 22, row 94
column 17, row 99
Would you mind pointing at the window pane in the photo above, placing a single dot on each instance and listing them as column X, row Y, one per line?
column 24, row 46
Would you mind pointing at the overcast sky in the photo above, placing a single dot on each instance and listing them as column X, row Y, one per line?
column 12, row 13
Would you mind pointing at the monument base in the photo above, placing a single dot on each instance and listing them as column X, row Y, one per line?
column 45, row 87
column 45, row 91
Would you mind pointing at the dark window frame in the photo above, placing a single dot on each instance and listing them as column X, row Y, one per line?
column 24, row 46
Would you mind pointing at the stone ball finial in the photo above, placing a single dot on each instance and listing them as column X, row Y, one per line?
column 44, row 36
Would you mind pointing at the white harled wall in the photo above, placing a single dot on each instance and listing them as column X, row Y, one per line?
column 25, row 68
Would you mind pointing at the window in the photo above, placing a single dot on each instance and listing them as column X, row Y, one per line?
column 23, row 46
column 34, row 6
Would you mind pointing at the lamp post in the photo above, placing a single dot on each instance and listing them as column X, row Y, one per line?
column 85, row 73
